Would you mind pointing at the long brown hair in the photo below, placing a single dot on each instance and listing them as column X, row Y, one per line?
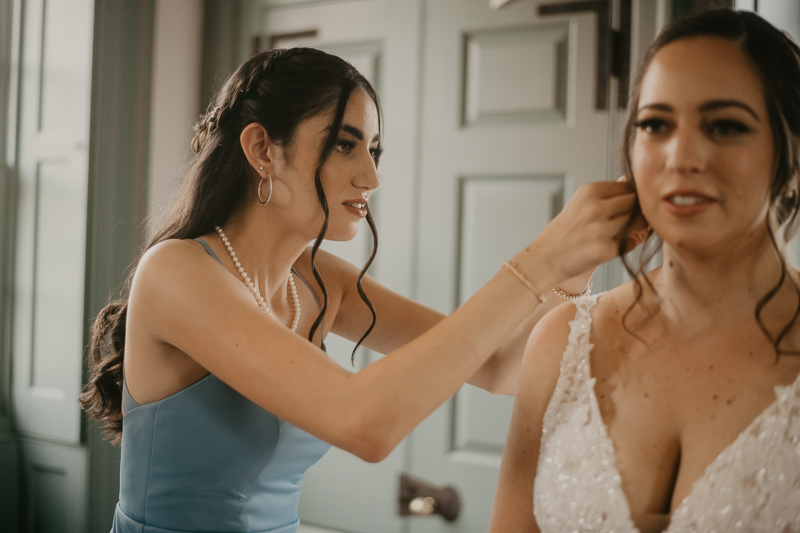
column 777, row 58
column 276, row 89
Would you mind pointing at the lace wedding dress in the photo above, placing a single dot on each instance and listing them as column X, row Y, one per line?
column 753, row 485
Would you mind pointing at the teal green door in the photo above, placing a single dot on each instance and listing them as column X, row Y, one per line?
column 510, row 132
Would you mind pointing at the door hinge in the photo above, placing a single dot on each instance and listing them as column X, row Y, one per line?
column 612, row 46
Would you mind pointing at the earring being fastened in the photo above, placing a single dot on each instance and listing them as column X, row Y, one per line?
column 269, row 178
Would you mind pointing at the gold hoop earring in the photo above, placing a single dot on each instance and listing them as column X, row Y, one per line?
column 264, row 202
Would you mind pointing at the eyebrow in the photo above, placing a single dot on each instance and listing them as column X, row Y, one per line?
column 719, row 104
column 357, row 133
column 708, row 106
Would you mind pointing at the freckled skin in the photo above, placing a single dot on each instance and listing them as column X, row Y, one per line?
column 688, row 361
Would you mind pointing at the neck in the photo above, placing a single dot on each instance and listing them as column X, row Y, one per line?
column 267, row 248
column 698, row 288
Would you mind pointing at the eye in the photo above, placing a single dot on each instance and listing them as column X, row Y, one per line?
column 727, row 127
column 653, row 126
column 376, row 154
column 345, row 146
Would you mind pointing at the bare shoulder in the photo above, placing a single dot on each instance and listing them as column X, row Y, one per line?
column 546, row 344
column 170, row 277
column 173, row 255
column 554, row 326
column 173, row 272
column 550, row 337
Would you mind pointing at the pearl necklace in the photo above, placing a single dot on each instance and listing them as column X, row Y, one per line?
column 292, row 288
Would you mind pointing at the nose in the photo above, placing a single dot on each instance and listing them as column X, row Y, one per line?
column 366, row 176
column 686, row 151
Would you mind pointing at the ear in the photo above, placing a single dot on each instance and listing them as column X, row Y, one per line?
column 258, row 148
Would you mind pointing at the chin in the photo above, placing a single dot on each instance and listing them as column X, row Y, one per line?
column 341, row 234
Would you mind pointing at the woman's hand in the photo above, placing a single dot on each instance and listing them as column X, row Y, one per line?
column 586, row 233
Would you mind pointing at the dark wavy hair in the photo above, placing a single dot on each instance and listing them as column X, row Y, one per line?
column 777, row 58
column 277, row 89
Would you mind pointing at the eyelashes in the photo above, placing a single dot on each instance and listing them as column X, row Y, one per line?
column 346, row 147
column 722, row 128
column 376, row 154
column 651, row 125
column 727, row 127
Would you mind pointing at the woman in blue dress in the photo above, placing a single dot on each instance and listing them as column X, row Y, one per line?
column 225, row 396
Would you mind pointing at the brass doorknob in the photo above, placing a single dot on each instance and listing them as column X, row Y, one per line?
column 418, row 498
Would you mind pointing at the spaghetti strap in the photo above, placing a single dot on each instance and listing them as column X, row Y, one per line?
column 314, row 294
column 208, row 249
column 295, row 272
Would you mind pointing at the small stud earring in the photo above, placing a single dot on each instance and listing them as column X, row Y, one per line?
column 260, row 168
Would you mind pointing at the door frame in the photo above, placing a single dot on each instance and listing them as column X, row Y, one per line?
column 118, row 173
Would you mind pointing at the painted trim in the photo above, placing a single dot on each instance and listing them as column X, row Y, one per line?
column 10, row 460
column 9, row 78
column 118, row 173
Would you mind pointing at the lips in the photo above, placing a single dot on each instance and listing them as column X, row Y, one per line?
column 687, row 203
column 682, row 200
column 358, row 207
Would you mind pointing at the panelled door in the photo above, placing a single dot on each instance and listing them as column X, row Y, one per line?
column 379, row 37
column 511, row 130
column 516, row 118
column 52, row 145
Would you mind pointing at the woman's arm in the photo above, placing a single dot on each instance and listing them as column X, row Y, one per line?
column 400, row 320
column 500, row 373
column 207, row 314
column 513, row 503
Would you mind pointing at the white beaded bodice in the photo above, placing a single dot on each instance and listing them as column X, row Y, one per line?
column 753, row 485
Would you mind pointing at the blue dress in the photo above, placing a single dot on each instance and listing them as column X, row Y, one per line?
column 207, row 459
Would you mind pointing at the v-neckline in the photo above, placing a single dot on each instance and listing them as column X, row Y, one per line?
column 595, row 406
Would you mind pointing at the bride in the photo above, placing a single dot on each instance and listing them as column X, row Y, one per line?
column 674, row 401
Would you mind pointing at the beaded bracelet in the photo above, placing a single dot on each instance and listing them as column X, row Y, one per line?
column 564, row 295
column 525, row 281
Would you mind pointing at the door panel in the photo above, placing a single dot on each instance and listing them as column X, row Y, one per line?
column 56, row 58
column 490, row 206
column 534, row 58
column 55, row 478
column 510, row 130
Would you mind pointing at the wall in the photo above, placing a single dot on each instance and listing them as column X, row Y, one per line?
column 175, row 98
column 785, row 14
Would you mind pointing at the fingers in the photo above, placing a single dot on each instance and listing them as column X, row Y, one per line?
column 606, row 189
column 587, row 232
column 618, row 205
